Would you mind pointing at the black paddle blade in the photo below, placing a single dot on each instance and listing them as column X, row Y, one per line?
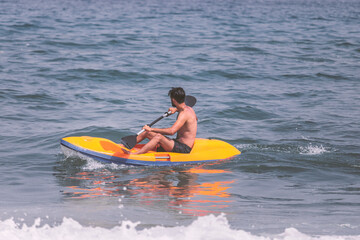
column 190, row 100
column 129, row 141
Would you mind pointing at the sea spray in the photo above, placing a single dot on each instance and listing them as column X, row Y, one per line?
column 312, row 149
column 204, row 228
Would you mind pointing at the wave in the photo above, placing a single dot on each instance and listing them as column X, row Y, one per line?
column 24, row 26
column 248, row 49
column 331, row 76
column 224, row 74
column 312, row 149
column 68, row 44
column 108, row 73
column 246, row 113
column 91, row 164
column 207, row 227
column 309, row 149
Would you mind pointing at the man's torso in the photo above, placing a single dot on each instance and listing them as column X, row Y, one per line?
column 187, row 132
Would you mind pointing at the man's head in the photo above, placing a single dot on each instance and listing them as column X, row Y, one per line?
column 178, row 94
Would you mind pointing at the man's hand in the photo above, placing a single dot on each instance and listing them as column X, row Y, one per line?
column 172, row 110
column 147, row 128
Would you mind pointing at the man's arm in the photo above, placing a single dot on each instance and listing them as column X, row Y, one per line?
column 173, row 129
column 173, row 110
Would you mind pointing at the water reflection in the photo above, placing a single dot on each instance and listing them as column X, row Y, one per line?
column 195, row 190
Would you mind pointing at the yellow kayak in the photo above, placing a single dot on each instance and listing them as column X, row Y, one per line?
column 204, row 150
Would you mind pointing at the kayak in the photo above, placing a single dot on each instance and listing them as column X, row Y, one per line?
column 105, row 150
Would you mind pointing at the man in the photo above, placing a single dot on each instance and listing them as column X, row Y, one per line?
column 185, row 127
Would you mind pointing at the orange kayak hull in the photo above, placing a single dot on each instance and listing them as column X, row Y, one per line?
column 105, row 150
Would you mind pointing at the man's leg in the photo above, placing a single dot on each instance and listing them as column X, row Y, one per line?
column 143, row 135
column 166, row 143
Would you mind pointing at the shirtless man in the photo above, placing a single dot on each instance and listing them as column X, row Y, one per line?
column 185, row 127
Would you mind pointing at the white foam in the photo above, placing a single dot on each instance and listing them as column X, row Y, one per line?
column 91, row 164
column 306, row 150
column 208, row 228
column 313, row 149
column 244, row 146
column 305, row 138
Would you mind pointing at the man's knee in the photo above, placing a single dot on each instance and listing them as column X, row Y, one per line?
column 158, row 136
column 150, row 135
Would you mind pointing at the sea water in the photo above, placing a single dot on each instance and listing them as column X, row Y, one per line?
column 278, row 79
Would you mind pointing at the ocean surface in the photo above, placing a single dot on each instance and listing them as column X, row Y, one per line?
column 278, row 79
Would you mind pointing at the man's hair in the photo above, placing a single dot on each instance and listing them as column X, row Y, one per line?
column 178, row 94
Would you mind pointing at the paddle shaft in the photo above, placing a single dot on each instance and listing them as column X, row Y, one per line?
column 189, row 100
column 155, row 121
column 130, row 141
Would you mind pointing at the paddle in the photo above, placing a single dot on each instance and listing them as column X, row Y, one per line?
column 130, row 141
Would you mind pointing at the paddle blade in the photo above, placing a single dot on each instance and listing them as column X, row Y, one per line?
column 129, row 141
column 190, row 100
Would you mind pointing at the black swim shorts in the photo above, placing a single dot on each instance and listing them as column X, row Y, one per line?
column 179, row 147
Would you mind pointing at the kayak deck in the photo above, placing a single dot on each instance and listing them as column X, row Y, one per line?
column 105, row 150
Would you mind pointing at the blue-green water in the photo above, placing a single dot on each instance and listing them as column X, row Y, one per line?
column 277, row 79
